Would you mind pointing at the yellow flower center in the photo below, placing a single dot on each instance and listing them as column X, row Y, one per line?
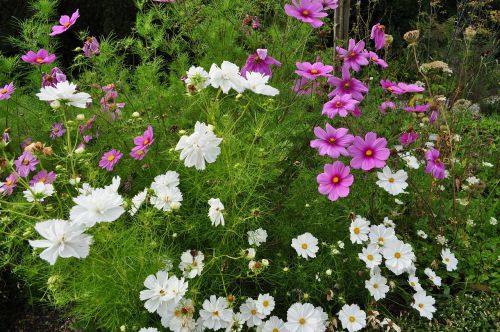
column 374, row 58
column 39, row 60
column 397, row 255
column 304, row 246
column 369, row 152
column 380, row 240
column 338, row 104
column 347, row 85
column 66, row 24
column 305, row 12
column 111, row 158
column 420, row 305
column 314, row 71
column 9, row 182
column 162, row 292
column 391, row 180
column 331, row 140
column 390, row 88
column 352, row 54
column 215, row 313
column 335, row 179
column 3, row 91
column 369, row 257
column 352, row 319
column 302, row 321
column 356, row 230
column 375, row 286
column 253, row 312
column 26, row 162
column 447, row 259
column 146, row 141
column 139, row 152
column 177, row 313
column 275, row 330
column 265, row 303
column 42, row 180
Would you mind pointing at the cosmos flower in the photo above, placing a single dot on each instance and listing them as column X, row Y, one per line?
column 7, row 187
column 44, row 177
column 65, row 23
column 418, row 108
column 274, row 324
column 335, row 181
column 7, row 91
column 65, row 92
column 391, row 87
column 167, row 180
column 25, row 164
column 355, row 56
column 304, row 317
column 433, row 276
column 39, row 58
column 215, row 212
column 377, row 286
column 306, row 245
column 424, row 304
column 61, row 239
column 257, row 237
column 55, row 76
column 137, row 201
column 265, row 304
column 340, row 105
column 382, row 235
column 179, row 317
column 368, row 153
column 227, row 77
column 215, row 313
column 371, row 256
column 330, row 4
column 347, row 85
column 57, row 130
column 91, row 47
column 191, row 263
column 359, row 229
column 408, row 137
column 352, row 317
column 110, row 159
column 331, row 141
column 313, row 71
column 167, row 199
column 398, row 256
column 378, row 35
column 307, row 11
column 386, row 105
column 38, row 192
column 449, row 260
column 250, row 314
column 162, row 291
column 393, row 183
column 197, row 77
column 259, row 62
column 434, row 164
column 410, row 87
column 373, row 57
column 257, row 83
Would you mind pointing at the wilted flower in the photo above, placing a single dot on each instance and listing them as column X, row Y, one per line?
column 91, row 47
column 411, row 37
column 378, row 35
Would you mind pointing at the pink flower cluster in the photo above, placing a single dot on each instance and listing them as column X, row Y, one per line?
column 142, row 144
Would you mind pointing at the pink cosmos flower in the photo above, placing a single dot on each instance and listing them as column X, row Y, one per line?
column 307, row 11
column 87, row 138
column 25, row 163
column 376, row 60
column 356, row 112
column 408, row 137
column 8, row 186
column 385, row 105
column 109, row 104
column 410, row 87
column 304, row 86
column 329, row 4
column 312, row 71
column 57, row 130
column 335, row 181
column 355, row 56
column 391, row 87
column 7, row 91
column 138, row 152
column 88, row 125
column 340, row 105
column 332, row 142
column 66, row 22
column 91, row 47
column 39, row 58
column 44, row 177
column 378, row 35
column 434, row 165
column 368, row 153
column 146, row 139
column 418, row 108
column 259, row 62
column 56, row 75
column 433, row 117
column 347, row 85
column 110, row 159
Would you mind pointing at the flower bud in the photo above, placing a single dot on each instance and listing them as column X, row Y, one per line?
column 56, row 104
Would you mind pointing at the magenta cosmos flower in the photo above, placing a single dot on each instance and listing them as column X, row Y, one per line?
column 391, row 87
column 259, row 62
column 138, row 152
column 65, row 23
column 373, row 57
column 418, row 108
column 110, row 159
column 25, row 163
column 335, row 181
column 307, row 11
column 434, row 165
column 91, row 47
column 386, row 105
column 312, row 71
column 7, row 91
column 410, row 87
column 355, row 56
column 347, row 85
column 146, row 139
column 340, row 105
column 329, row 4
column 56, row 75
column 8, row 186
column 57, row 130
column 39, row 58
column 332, row 142
column 368, row 153
column 378, row 35
column 44, row 177
column 408, row 137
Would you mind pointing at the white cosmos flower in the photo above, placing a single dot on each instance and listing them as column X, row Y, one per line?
column 424, row 304
column 422, row 234
column 414, row 283
column 274, row 324
column 39, row 191
column 102, row 205
column 393, row 183
column 215, row 315
column 371, row 256
column 304, row 317
column 257, row 237
column 62, row 239
column 199, row 147
column 65, row 92
column 388, row 222
column 377, row 286
column 398, row 256
column 250, row 314
column 162, row 291
column 352, row 317
column 227, row 77
column 197, row 77
column 215, row 212
column 359, row 230
column 167, row 199
column 449, row 260
column 265, row 304
column 236, row 323
column 179, row 318
column 167, row 180
column 410, row 161
column 381, row 235
column 137, row 201
column 436, row 280
column 191, row 263
column 306, row 245
column 257, row 82
column 148, row 329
